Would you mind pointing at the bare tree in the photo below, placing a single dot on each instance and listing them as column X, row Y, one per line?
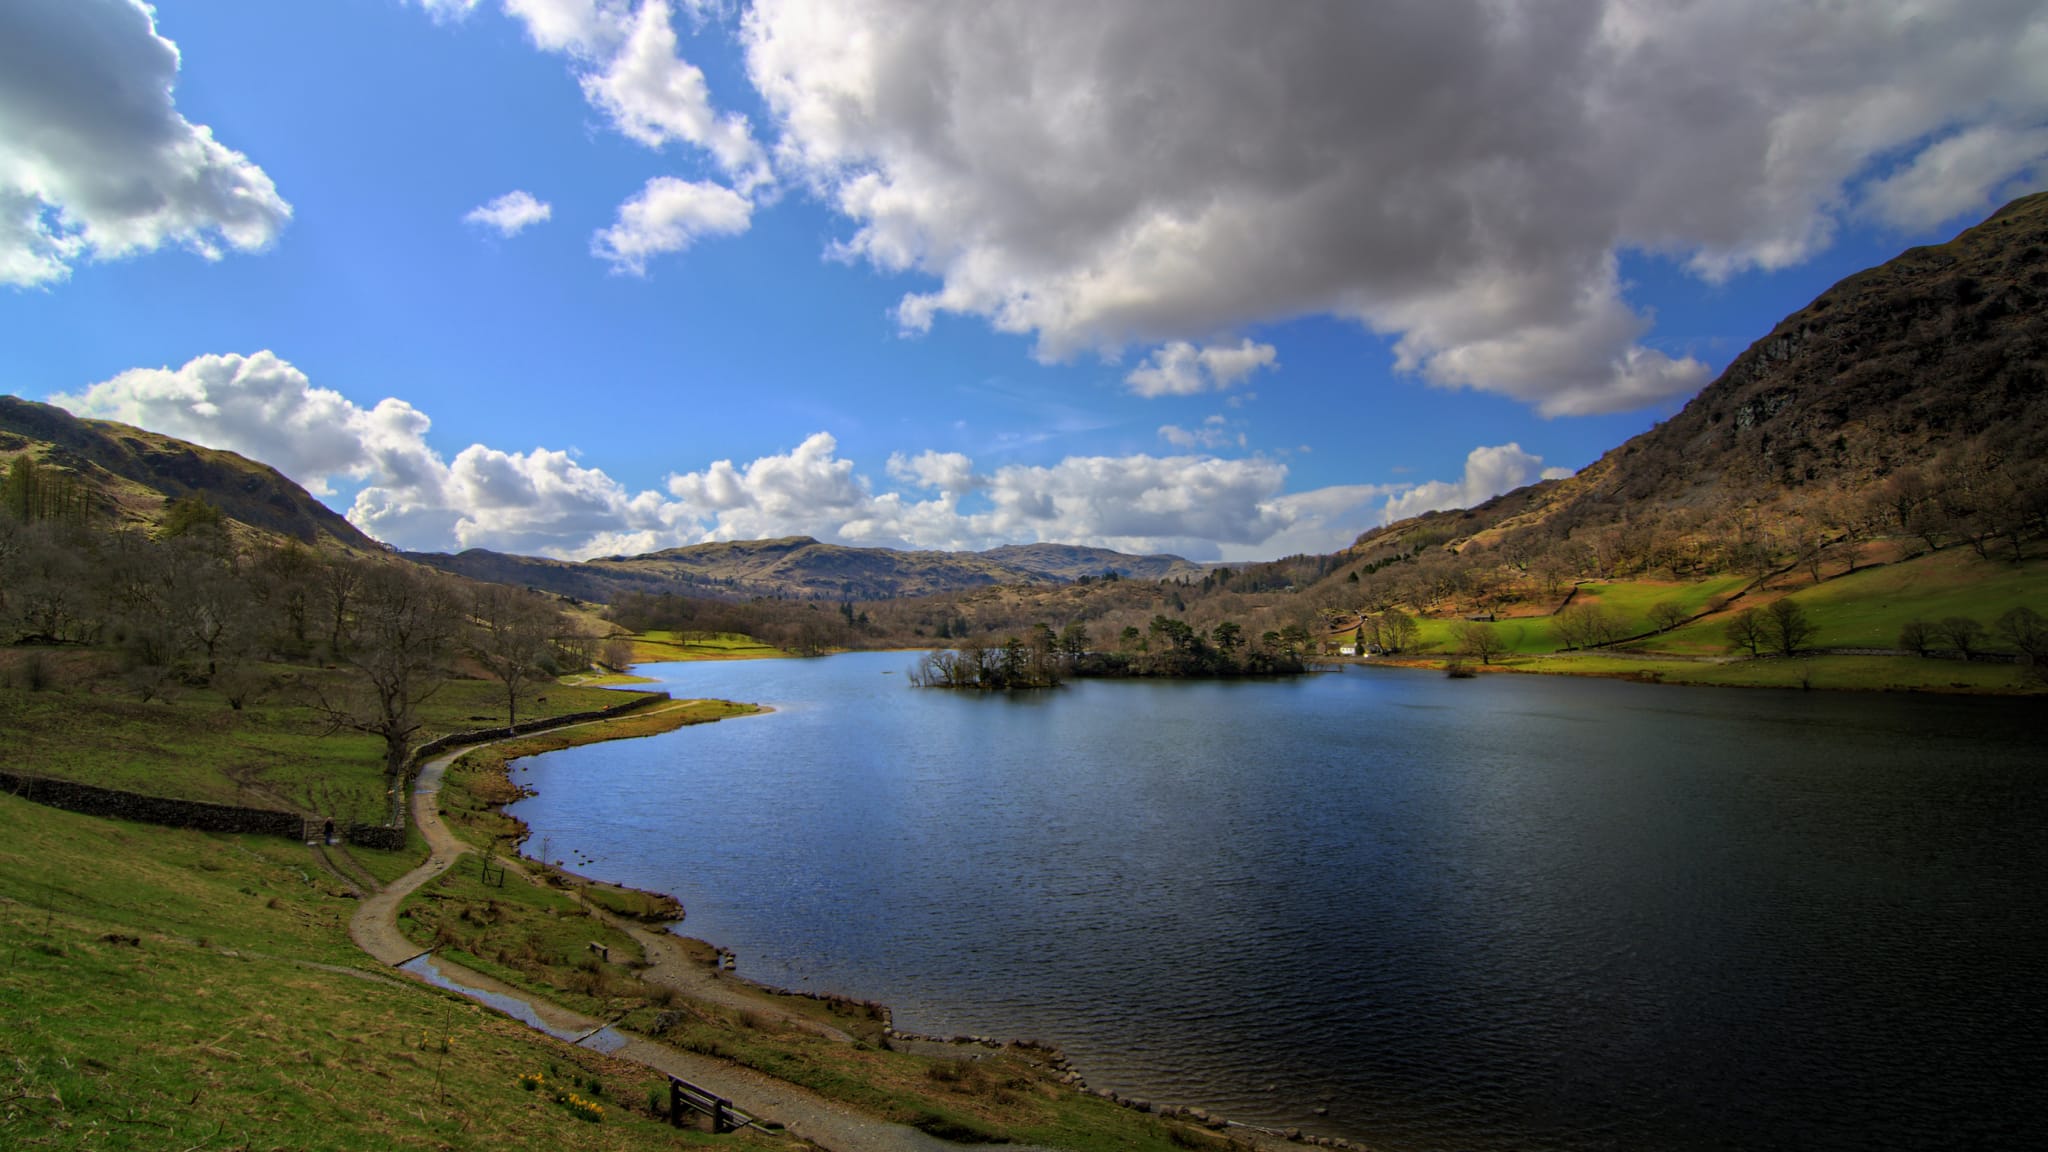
column 1586, row 625
column 1962, row 633
column 2024, row 629
column 1917, row 636
column 512, row 636
column 404, row 627
column 1668, row 614
column 338, row 586
column 1786, row 626
column 1479, row 640
column 1746, row 630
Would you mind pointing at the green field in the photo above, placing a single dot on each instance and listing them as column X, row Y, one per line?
column 270, row 754
column 1629, row 601
column 172, row 989
column 659, row 647
column 1867, row 609
column 1857, row 673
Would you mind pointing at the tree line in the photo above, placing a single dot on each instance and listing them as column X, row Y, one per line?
column 364, row 642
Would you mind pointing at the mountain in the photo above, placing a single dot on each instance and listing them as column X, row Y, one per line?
column 1927, row 374
column 135, row 475
column 1071, row 562
column 801, row 568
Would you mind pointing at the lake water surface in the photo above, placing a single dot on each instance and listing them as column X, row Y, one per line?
column 1511, row 912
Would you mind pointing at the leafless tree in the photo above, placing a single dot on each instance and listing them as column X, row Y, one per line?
column 1746, row 630
column 1479, row 640
column 512, row 635
column 1962, row 633
column 404, row 627
column 1786, row 626
column 1668, row 614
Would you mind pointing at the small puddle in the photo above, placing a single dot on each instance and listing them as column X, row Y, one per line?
column 605, row 1039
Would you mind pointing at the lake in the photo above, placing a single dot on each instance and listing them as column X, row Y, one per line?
column 1511, row 912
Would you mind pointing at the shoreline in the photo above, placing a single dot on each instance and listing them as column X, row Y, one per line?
column 1799, row 673
column 1263, row 1136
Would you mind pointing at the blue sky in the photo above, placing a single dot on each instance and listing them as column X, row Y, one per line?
column 1159, row 276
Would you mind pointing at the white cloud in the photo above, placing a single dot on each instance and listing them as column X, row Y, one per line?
column 259, row 406
column 1181, row 369
column 442, row 10
column 1488, row 473
column 1213, row 432
column 511, row 214
column 944, row 471
column 1460, row 174
column 546, row 502
column 668, row 216
column 1961, row 175
column 654, row 96
column 96, row 162
column 626, row 60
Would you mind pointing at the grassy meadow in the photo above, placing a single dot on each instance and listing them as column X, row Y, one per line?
column 1865, row 609
column 656, row 647
column 271, row 753
column 174, row 989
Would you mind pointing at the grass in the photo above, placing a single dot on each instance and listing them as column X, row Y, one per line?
column 270, row 754
column 1004, row 1094
column 1858, row 673
column 1867, row 609
column 1628, row 600
column 661, row 647
column 529, row 935
column 1864, row 609
column 170, row 989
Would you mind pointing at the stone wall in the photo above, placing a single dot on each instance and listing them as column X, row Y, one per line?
column 92, row 800
column 435, row 747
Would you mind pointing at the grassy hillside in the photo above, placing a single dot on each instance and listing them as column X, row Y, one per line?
column 136, row 475
column 170, row 989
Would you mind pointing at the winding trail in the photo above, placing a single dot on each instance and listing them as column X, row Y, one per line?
column 801, row 1112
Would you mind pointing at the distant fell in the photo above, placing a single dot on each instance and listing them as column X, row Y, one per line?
column 135, row 474
column 802, row 568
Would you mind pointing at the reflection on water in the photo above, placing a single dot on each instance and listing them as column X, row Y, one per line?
column 427, row 968
column 1510, row 912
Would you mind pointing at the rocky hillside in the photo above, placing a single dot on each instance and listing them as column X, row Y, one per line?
column 798, row 567
column 134, row 475
column 1934, row 364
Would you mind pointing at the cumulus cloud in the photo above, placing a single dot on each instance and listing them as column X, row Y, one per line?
column 655, row 96
column 1181, row 369
column 944, row 471
column 547, row 502
column 1488, row 473
column 1459, row 174
column 510, row 214
column 96, row 162
column 626, row 59
column 1213, row 432
column 260, row 406
column 668, row 216
column 1960, row 174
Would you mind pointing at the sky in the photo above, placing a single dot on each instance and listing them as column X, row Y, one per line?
column 589, row 277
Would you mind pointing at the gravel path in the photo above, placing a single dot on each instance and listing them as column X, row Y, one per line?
column 802, row 1113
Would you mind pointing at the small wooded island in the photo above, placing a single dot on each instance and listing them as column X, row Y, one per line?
column 1167, row 649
